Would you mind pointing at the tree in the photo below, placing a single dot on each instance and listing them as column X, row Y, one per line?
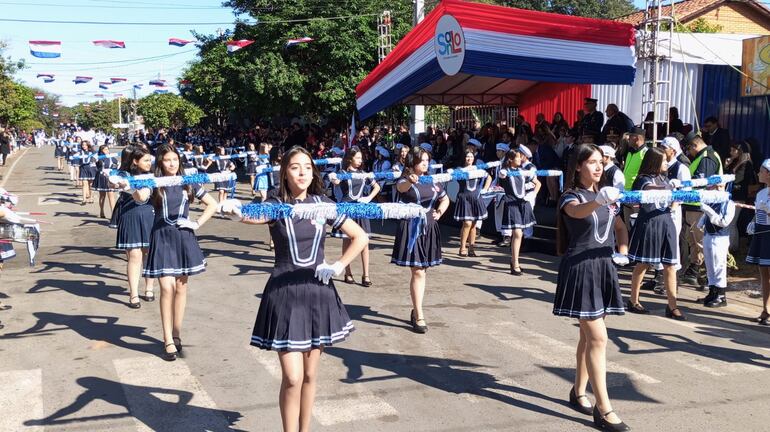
column 700, row 25
column 97, row 115
column 317, row 79
column 168, row 110
column 17, row 102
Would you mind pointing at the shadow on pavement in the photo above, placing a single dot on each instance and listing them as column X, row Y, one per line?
column 84, row 289
column 367, row 315
column 92, row 327
column 91, row 270
column 157, row 413
column 627, row 391
column 671, row 342
column 452, row 376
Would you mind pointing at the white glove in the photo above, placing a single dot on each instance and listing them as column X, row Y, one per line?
column 184, row 223
column 502, row 173
column 675, row 183
column 714, row 217
column 231, row 208
column 607, row 195
column 529, row 187
column 620, row 259
column 702, row 222
column 751, row 228
column 324, row 272
column 364, row 199
column 9, row 197
column 10, row 216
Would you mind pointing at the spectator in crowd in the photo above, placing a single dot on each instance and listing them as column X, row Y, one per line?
column 558, row 122
column 592, row 120
column 741, row 166
column 717, row 137
column 675, row 125
column 616, row 120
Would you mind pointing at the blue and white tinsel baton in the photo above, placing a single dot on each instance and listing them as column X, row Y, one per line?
column 168, row 181
column 381, row 175
column 454, row 175
column 533, row 173
column 709, row 181
column 264, row 169
column 97, row 156
column 314, row 211
column 667, row 197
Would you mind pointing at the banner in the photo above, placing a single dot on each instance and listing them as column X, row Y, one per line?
column 756, row 64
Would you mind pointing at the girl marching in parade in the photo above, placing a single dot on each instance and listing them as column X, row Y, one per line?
column 653, row 237
column 301, row 312
column 418, row 243
column 587, row 286
column 134, row 225
column 252, row 161
column 517, row 211
column 174, row 254
column 87, row 161
column 759, row 250
column 221, row 166
column 101, row 182
column 469, row 208
column 356, row 190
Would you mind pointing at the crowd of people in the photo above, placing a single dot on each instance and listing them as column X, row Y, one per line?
column 599, row 160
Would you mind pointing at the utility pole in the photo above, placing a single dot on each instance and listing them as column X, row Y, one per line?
column 417, row 111
column 655, row 53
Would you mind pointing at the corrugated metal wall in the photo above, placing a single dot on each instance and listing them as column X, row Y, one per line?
column 744, row 117
column 684, row 96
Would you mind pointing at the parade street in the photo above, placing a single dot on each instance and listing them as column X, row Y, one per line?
column 76, row 358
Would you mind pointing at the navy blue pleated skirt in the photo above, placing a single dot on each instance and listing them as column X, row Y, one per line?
column 759, row 248
column 135, row 225
column 173, row 252
column 299, row 313
column 587, row 286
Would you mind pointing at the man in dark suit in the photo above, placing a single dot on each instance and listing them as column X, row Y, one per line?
column 592, row 120
column 5, row 144
column 717, row 137
column 616, row 120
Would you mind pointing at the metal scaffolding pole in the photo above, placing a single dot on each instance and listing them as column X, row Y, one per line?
column 654, row 50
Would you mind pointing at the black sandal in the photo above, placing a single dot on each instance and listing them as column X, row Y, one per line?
column 463, row 254
column 178, row 345
column 149, row 298
column 366, row 282
column 763, row 319
column 600, row 421
column 5, row 307
column 169, row 356
column 421, row 329
column 349, row 279
column 133, row 305
column 574, row 402
column 636, row 308
column 670, row 314
column 472, row 251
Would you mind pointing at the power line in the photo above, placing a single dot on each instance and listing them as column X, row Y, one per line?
column 114, row 61
column 153, row 6
column 189, row 23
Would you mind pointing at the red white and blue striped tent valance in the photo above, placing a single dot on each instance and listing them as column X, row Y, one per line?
column 466, row 53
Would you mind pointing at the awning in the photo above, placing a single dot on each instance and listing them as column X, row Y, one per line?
column 467, row 53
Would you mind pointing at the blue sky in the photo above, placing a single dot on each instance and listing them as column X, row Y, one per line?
column 141, row 41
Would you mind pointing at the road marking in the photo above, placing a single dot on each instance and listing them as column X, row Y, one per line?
column 559, row 354
column 166, row 396
column 13, row 165
column 335, row 402
column 21, row 399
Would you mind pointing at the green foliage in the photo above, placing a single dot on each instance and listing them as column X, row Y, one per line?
column 700, row 25
column 318, row 79
column 98, row 115
column 17, row 102
column 30, row 124
column 438, row 115
column 168, row 110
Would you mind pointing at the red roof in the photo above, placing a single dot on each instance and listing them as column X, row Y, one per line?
column 687, row 10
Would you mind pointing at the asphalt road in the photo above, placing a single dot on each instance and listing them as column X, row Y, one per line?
column 74, row 357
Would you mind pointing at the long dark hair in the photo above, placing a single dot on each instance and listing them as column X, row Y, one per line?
column 572, row 182
column 162, row 151
column 652, row 161
column 316, row 185
column 126, row 158
column 413, row 158
column 135, row 155
column 349, row 155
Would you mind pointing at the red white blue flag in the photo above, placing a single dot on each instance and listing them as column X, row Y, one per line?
column 110, row 43
column 116, row 80
column 138, row 86
column 179, row 42
column 161, row 90
column 104, row 85
column 235, row 45
column 158, row 82
column 47, row 78
column 292, row 42
column 99, row 95
column 82, row 79
column 45, row 49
